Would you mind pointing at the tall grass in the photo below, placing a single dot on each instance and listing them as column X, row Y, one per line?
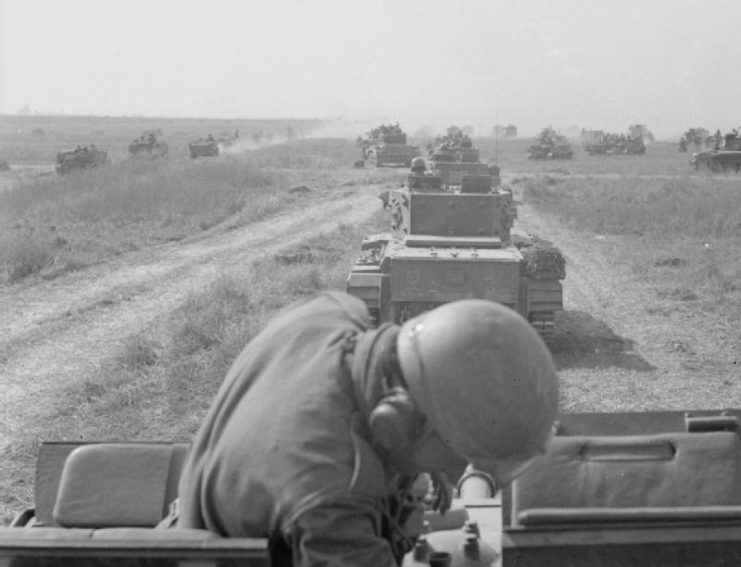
column 701, row 208
column 63, row 223
column 684, row 233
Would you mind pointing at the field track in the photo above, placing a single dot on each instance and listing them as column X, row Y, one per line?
column 55, row 333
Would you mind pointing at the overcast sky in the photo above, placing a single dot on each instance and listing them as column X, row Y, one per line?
column 602, row 64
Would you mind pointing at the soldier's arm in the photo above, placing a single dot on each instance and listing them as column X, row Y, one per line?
column 341, row 534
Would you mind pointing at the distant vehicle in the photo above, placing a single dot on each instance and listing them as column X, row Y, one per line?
column 723, row 157
column 699, row 137
column 550, row 145
column 387, row 146
column 80, row 157
column 203, row 147
column 148, row 146
column 453, row 156
column 641, row 131
column 606, row 143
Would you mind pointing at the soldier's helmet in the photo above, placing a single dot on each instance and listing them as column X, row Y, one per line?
column 485, row 380
column 419, row 165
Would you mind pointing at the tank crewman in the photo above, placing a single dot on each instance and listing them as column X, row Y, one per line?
column 322, row 424
column 209, row 138
column 418, row 165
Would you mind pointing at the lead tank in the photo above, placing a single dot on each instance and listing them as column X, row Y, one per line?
column 456, row 244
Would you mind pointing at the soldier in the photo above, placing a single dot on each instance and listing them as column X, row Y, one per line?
column 322, row 425
column 209, row 138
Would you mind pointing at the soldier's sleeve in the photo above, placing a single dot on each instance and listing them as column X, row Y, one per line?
column 344, row 534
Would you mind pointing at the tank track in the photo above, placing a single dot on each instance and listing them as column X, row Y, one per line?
column 544, row 323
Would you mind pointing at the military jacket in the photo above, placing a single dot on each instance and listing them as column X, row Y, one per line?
column 283, row 452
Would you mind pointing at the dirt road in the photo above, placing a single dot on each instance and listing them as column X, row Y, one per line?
column 57, row 332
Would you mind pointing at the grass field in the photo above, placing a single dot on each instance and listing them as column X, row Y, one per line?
column 54, row 224
column 680, row 229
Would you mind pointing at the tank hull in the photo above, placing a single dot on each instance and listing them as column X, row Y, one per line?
column 399, row 281
column 718, row 160
column 80, row 159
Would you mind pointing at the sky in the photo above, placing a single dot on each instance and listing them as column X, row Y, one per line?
column 597, row 64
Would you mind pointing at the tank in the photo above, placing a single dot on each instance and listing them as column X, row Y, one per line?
column 449, row 244
column 613, row 489
column 387, row 146
column 204, row 147
column 550, row 145
column 80, row 158
column 724, row 157
column 615, row 144
column 454, row 156
column 148, row 146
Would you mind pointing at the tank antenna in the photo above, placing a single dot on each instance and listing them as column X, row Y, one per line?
column 496, row 137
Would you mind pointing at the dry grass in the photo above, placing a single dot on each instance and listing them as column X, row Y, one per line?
column 60, row 224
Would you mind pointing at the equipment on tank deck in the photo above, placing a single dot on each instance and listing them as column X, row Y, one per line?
column 613, row 489
column 148, row 146
column 725, row 156
column 550, row 145
column 455, row 244
column 80, row 157
column 616, row 490
column 387, row 146
column 204, row 147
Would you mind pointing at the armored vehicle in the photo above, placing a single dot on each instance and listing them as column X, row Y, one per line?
column 454, row 156
column 204, row 147
column 79, row 158
column 147, row 146
column 387, row 146
column 726, row 156
column 615, row 144
column 617, row 490
column 451, row 245
column 697, row 137
column 550, row 145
